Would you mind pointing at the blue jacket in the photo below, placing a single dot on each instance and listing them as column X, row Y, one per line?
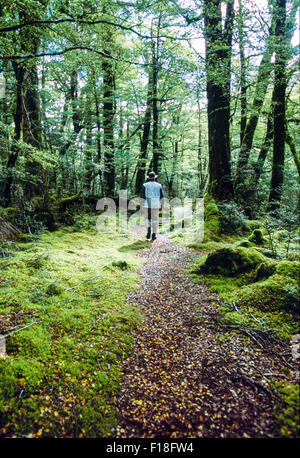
column 152, row 192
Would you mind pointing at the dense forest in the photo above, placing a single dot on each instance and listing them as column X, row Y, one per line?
column 93, row 96
column 99, row 93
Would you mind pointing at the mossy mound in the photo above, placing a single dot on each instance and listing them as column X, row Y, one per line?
column 123, row 265
column 265, row 270
column 257, row 237
column 254, row 224
column 274, row 293
column 284, row 268
column 231, row 261
column 245, row 243
column 288, row 269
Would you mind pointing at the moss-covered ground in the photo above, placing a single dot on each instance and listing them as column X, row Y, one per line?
column 259, row 288
column 63, row 311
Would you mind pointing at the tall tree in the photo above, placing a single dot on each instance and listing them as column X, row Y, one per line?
column 108, row 114
column 262, row 82
column 279, row 105
column 218, row 45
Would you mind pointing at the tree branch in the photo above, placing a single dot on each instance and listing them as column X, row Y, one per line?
column 72, row 48
column 14, row 27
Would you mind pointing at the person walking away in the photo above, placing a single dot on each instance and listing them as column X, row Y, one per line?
column 152, row 193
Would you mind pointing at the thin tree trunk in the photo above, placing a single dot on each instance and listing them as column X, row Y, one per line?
column 258, row 100
column 291, row 144
column 155, row 142
column 267, row 142
column 142, row 160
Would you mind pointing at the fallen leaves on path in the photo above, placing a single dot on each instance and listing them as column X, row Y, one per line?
column 186, row 377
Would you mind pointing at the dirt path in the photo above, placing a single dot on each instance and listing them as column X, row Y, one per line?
column 185, row 378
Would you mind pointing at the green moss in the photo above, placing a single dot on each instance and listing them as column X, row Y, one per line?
column 288, row 269
column 123, row 265
column 16, row 374
column 287, row 409
column 34, row 342
column 137, row 245
column 255, row 224
column 25, row 238
column 212, row 226
column 84, row 331
column 36, row 262
column 274, row 293
column 245, row 244
column 281, row 235
column 54, row 289
column 265, row 270
column 231, row 261
column 257, row 237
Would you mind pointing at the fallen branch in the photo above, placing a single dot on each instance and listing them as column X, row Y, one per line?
column 261, row 338
column 83, row 281
column 21, row 329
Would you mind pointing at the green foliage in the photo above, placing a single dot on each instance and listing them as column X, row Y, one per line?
column 232, row 218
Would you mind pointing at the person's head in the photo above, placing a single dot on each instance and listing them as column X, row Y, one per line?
column 152, row 176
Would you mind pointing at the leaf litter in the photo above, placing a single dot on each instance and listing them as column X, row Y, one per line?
column 188, row 376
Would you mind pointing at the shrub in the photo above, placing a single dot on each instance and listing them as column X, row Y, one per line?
column 232, row 218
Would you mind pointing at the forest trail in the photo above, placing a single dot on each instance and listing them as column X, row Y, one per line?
column 187, row 376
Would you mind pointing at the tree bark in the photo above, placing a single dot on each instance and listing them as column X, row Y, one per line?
column 279, row 106
column 108, row 127
column 142, row 160
column 218, row 69
column 155, row 142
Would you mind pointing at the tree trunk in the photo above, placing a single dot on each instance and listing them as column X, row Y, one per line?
column 142, row 160
column 279, row 106
column 291, row 144
column 18, row 121
column 250, row 127
column 264, row 148
column 218, row 69
column 108, row 127
column 155, row 142
column 243, row 83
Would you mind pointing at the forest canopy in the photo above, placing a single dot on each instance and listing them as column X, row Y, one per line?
column 95, row 94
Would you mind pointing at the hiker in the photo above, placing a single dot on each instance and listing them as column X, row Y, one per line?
column 152, row 193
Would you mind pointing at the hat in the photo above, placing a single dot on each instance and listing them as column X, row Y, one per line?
column 152, row 176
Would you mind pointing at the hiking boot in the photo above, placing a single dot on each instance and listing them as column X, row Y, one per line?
column 148, row 236
column 153, row 236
